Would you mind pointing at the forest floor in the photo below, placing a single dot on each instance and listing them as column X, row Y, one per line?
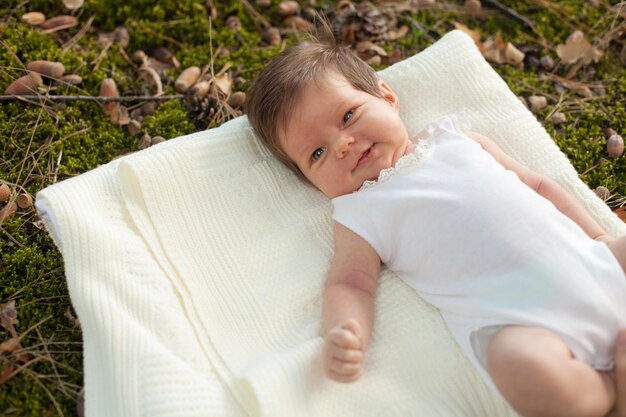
column 565, row 59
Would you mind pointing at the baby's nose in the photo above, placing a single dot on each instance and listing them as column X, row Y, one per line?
column 343, row 146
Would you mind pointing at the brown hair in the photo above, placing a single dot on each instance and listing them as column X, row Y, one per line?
column 274, row 94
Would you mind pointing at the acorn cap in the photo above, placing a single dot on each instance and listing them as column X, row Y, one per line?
column 24, row 201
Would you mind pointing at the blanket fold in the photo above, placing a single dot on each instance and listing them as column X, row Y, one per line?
column 197, row 266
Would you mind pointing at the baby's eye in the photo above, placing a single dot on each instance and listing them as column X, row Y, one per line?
column 317, row 154
column 348, row 116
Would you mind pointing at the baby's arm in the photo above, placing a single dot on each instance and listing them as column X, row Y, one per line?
column 547, row 188
column 348, row 309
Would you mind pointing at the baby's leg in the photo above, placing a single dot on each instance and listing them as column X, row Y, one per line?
column 536, row 373
column 618, row 247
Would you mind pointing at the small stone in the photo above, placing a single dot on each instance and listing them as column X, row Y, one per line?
column 537, row 103
column 558, row 118
column 33, row 18
column 139, row 57
column 5, row 193
column 24, row 201
column 615, row 146
column 133, row 127
column 547, row 62
column 145, row 142
column 156, row 140
column 602, row 192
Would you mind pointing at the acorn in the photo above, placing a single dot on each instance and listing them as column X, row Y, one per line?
column 5, row 193
column 72, row 79
column 47, row 68
column 237, row 99
column 233, row 23
column 201, row 89
column 297, row 23
column 133, row 127
column 59, row 23
column 615, row 146
column 472, row 7
column 24, row 201
column 558, row 118
column 288, row 8
column 24, row 85
column 108, row 88
column 161, row 53
column 145, row 142
column 309, row 13
column 33, row 18
column 7, row 211
column 139, row 57
column 537, row 103
column 73, row 4
column 272, row 36
column 156, row 140
column 149, row 107
column 187, row 79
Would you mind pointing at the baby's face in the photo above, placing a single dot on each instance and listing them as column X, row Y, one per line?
column 340, row 136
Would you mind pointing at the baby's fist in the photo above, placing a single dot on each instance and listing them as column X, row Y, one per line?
column 343, row 352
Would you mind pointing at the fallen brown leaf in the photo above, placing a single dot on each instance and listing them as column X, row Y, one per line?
column 577, row 48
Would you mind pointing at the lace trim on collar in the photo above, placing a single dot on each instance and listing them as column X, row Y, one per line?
column 422, row 148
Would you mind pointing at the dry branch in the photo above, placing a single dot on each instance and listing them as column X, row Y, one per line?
column 98, row 99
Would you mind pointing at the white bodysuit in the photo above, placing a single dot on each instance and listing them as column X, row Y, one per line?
column 487, row 250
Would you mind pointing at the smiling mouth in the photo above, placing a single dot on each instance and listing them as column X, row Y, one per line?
column 365, row 156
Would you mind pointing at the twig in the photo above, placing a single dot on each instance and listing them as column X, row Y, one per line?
column 255, row 14
column 99, row 99
column 511, row 13
column 67, row 45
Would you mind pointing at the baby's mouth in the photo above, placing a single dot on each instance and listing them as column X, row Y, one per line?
column 365, row 156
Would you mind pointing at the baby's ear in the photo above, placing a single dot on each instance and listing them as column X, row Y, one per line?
column 388, row 94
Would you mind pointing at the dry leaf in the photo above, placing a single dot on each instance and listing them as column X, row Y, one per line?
column 8, row 317
column 621, row 213
column 472, row 33
column 578, row 48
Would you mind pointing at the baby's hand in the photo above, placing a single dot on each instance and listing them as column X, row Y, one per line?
column 343, row 352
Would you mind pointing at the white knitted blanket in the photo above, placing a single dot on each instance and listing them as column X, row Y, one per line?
column 196, row 268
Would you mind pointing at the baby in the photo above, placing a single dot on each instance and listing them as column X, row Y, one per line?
column 531, row 287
